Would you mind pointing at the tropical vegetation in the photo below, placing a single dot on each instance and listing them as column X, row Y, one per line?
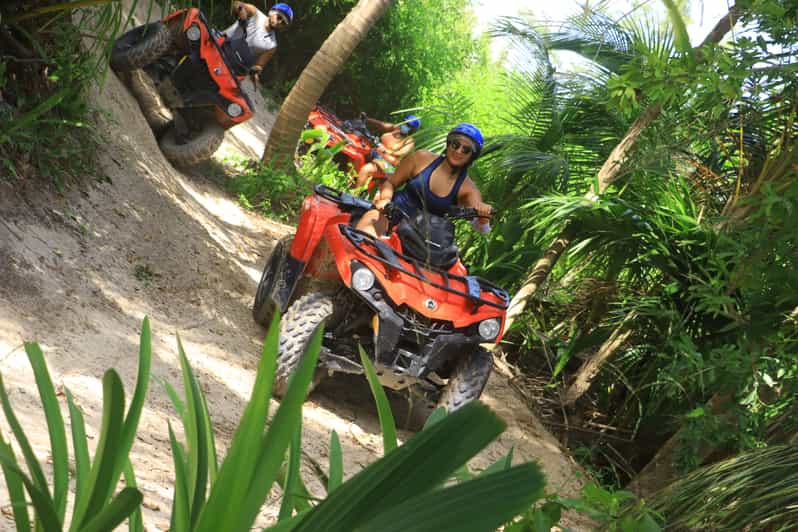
column 645, row 197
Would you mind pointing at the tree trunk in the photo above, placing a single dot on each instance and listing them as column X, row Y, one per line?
column 321, row 69
column 592, row 366
column 659, row 472
column 608, row 173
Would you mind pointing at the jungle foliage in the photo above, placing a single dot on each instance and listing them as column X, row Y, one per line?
column 424, row 484
column 689, row 256
column 691, row 251
column 408, row 51
column 51, row 54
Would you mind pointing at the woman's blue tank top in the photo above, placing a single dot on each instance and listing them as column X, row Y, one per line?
column 417, row 195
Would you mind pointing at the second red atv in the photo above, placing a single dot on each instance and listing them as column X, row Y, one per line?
column 406, row 298
column 197, row 74
column 356, row 141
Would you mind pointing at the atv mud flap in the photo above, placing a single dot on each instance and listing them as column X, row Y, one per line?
column 286, row 280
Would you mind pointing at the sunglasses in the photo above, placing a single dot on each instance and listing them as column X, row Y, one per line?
column 465, row 149
column 281, row 19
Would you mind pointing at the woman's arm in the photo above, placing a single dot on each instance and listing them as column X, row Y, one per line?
column 407, row 146
column 243, row 10
column 383, row 127
column 405, row 170
column 263, row 58
column 470, row 196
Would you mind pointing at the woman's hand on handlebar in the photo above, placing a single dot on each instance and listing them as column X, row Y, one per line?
column 484, row 211
column 254, row 74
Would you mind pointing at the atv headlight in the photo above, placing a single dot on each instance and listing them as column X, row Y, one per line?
column 489, row 329
column 234, row 110
column 362, row 279
column 193, row 33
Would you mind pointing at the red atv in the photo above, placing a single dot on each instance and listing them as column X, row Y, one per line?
column 196, row 73
column 406, row 298
column 357, row 142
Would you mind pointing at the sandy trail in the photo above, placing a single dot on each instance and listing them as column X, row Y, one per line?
column 79, row 272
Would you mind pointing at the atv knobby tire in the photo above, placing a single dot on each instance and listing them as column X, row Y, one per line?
column 263, row 308
column 155, row 112
column 200, row 147
column 297, row 326
column 140, row 46
column 468, row 380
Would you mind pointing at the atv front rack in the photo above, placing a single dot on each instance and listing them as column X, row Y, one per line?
column 390, row 257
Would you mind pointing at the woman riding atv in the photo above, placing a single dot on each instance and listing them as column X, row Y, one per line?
column 396, row 142
column 259, row 31
column 434, row 183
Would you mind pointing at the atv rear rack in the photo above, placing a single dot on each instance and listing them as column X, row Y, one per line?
column 390, row 257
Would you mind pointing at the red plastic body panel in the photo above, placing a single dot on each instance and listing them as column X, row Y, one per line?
column 328, row 254
column 357, row 148
column 218, row 69
column 404, row 289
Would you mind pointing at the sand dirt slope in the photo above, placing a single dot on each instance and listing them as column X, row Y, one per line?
column 79, row 272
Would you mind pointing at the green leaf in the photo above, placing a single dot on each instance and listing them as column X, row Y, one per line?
column 14, row 483
column 502, row 464
column 124, row 504
column 336, row 464
column 546, row 516
column 32, row 462
column 696, row 412
column 213, row 465
column 177, row 402
column 238, row 467
column 387, row 423
column 30, row 116
column 681, row 38
column 181, row 518
column 436, row 415
column 139, row 395
column 195, row 432
column 55, row 427
column 102, row 480
column 292, row 479
column 81, row 449
column 135, row 524
column 421, row 464
column 42, row 504
column 474, row 506
column 276, row 440
column 287, row 525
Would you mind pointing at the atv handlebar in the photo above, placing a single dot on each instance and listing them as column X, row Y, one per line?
column 391, row 209
column 455, row 212
column 466, row 213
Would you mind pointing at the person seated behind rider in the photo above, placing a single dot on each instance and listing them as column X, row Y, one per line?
column 395, row 143
column 433, row 183
column 260, row 31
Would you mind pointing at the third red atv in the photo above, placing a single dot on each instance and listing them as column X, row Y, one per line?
column 406, row 298
column 196, row 72
column 357, row 142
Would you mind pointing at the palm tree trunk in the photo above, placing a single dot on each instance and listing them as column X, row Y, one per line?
column 660, row 470
column 321, row 69
column 593, row 365
column 608, row 173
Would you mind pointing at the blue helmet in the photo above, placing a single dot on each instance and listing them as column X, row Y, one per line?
column 410, row 125
column 285, row 9
column 413, row 121
column 472, row 132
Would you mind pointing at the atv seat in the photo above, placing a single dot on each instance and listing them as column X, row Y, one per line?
column 429, row 238
column 237, row 55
